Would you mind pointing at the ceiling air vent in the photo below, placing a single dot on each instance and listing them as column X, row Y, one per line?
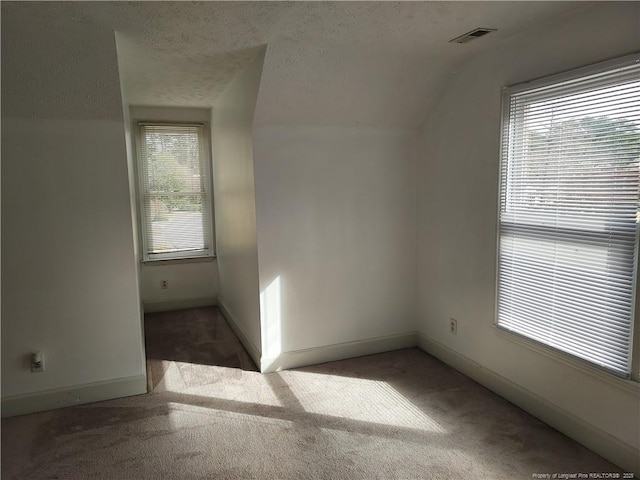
column 472, row 35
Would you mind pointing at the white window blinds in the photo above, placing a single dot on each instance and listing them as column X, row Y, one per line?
column 175, row 203
column 568, row 230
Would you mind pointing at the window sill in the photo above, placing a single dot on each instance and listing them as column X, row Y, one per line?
column 173, row 261
column 629, row 385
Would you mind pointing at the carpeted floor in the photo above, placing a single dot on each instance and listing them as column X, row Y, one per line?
column 184, row 347
column 400, row 414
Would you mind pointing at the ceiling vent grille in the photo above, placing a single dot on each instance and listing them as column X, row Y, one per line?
column 472, row 35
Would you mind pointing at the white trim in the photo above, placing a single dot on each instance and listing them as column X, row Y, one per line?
column 206, row 164
column 340, row 351
column 625, row 67
column 597, row 440
column 177, row 261
column 252, row 349
column 179, row 304
column 576, row 73
column 181, row 255
column 583, row 366
column 70, row 396
column 170, row 124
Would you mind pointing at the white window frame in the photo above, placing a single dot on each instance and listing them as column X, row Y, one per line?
column 582, row 364
column 205, row 145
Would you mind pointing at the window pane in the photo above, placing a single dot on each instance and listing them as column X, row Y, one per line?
column 176, row 211
column 568, row 217
column 172, row 160
column 176, row 223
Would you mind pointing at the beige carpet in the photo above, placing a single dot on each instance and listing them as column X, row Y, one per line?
column 400, row 414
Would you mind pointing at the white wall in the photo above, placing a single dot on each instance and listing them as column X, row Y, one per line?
column 131, row 177
column 69, row 285
column 192, row 282
column 337, row 235
column 234, row 189
column 458, row 185
column 68, row 266
column 189, row 284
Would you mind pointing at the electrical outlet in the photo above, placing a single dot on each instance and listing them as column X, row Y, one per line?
column 453, row 326
column 37, row 362
column 164, row 284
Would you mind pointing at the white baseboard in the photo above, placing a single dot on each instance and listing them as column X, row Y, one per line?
column 168, row 305
column 78, row 395
column 613, row 449
column 252, row 349
column 340, row 351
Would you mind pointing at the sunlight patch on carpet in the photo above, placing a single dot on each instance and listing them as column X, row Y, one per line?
column 358, row 399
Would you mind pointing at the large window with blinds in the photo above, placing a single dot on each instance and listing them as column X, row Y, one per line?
column 175, row 191
column 568, row 219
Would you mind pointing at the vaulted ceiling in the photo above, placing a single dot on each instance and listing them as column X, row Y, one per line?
column 327, row 63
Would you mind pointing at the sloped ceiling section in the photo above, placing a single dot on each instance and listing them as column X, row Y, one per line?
column 327, row 63
column 158, row 78
column 49, row 68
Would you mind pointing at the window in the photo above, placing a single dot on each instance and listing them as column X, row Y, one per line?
column 568, row 233
column 175, row 191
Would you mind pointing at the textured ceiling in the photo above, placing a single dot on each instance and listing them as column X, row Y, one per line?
column 327, row 63
column 157, row 78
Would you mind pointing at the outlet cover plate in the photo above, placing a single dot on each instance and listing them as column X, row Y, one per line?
column 453, row 326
